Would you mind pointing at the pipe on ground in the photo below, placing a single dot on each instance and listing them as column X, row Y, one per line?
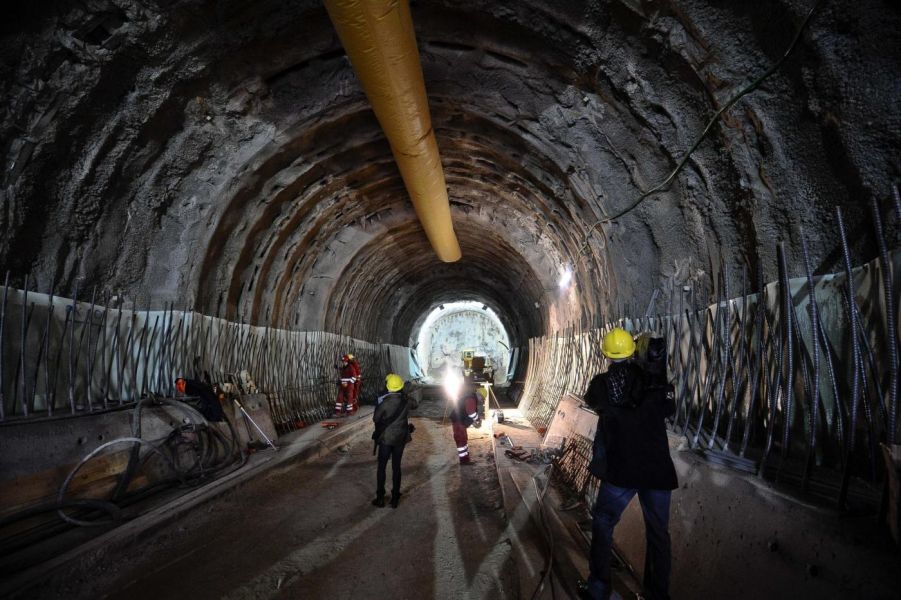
column 380, row 42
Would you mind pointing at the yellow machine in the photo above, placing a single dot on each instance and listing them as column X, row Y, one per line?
column 476, row 368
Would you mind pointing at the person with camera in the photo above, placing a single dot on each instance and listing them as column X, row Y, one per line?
column 392, row 432
column 631, row 456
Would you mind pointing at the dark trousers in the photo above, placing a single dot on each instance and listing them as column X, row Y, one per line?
column 611, row 503
column 395, row 453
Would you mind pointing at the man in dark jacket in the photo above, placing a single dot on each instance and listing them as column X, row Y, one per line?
column 632, row 403
column 392, row 432
column 208, row 401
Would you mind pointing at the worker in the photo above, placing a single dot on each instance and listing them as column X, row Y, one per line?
column 632, row 402
column 208, row 401
column 392, row 432
column 348, row 386
column 464, row 412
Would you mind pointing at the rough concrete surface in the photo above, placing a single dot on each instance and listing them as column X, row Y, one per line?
column 222, row 154
column 309, row 531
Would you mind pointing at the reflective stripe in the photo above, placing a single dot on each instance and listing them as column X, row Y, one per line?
column 474, row 415
column 459, row 449
column 463, row 454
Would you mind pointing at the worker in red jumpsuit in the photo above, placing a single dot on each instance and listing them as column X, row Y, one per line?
column 348, row 386
column 464, row 413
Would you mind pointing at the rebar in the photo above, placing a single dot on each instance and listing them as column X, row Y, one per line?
column 815, row 357
column 890, row 331
column 855, row 357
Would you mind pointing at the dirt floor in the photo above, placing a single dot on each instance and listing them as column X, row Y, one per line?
column 309, row 531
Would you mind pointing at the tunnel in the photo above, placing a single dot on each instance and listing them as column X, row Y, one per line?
column 218, row 191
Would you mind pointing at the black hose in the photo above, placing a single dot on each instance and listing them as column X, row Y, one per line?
column 61, row 496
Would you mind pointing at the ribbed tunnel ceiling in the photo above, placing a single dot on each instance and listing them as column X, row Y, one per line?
column 222, row 154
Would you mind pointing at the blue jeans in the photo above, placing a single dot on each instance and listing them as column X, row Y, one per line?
column 611, row 503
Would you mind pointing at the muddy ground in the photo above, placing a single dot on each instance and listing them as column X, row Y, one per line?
column 309, row 531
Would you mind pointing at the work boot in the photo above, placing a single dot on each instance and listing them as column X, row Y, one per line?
column 379, row 501
column 395, row 500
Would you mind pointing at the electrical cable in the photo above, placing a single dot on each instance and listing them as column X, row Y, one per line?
column 206, row 444
column 716, row 117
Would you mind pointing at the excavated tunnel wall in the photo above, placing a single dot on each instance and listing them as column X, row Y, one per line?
column 769, row 480
column 61, row 357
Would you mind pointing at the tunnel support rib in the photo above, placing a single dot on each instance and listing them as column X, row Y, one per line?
column 380, row 42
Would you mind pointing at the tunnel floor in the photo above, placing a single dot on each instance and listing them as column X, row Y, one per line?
column 309, row 531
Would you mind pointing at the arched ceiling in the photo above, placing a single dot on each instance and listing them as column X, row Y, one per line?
column 221, row 154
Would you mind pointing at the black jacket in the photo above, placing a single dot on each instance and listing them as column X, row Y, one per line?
column 390, row 417
column 632, row 405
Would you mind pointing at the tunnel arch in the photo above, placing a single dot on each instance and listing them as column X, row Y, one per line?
column 562, row 112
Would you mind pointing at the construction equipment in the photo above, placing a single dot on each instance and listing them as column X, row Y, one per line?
column 248, row 418
column 476, row 368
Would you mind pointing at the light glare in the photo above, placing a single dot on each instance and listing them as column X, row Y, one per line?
column 453, row 381
column 565, row 277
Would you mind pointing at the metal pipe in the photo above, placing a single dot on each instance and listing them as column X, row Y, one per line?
column 891, row 332
column 787, row 317
column 855, row 357
column 774, row 390
column 754, row 379
column 90, row 326
column 43, row 351
column 380, row 42
column 724, row 319
column 72, row 351
column 815, row 356
column 738, row 368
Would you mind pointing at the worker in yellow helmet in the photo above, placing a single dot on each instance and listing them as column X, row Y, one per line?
column 392, row 432
column 631, row 456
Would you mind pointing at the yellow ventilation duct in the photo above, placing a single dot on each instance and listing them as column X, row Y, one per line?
column 379, row 39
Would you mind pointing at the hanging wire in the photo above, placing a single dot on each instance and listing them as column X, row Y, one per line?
column 745, row 90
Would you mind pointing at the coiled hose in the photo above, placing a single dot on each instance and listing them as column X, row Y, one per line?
column 203, row 469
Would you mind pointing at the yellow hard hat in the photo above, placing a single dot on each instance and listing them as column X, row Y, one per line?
column 394, row 383
column 618, row 344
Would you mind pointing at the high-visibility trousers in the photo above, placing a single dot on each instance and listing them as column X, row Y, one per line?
column 346, row 402
column 462, row 440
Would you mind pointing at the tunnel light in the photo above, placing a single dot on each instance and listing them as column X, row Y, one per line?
column 452, row 383
column 565, row 278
